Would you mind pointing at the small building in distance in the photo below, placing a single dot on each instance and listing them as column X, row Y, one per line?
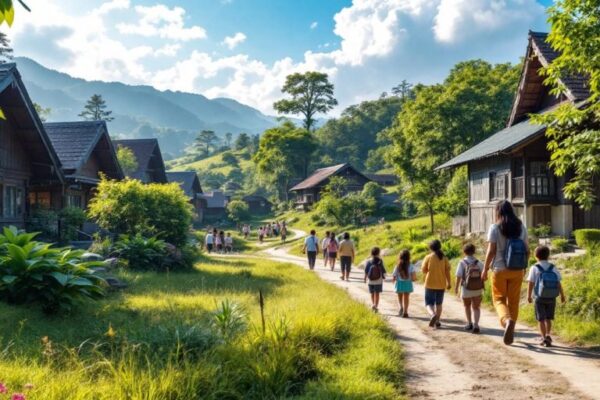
column 151, row 167
column 190, row 184
column 383, row 179
column 257, row 204
column 513, row 163
column 309, row 190
column 216, row 204
column 27, row 158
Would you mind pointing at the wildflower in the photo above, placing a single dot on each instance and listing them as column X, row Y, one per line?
column 3, row 388
column 111, row 333
column 18, row 396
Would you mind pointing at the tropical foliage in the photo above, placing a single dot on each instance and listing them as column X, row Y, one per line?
column 34, row 272
column 238, row 210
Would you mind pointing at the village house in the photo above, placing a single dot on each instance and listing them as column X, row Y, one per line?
column 216, row 204
column 150, row 164
column 27, row 159
column 309, row 190
column 513, row 163
column 257, row 204
column 383, row 179
column 86, row 153
column 190, row 184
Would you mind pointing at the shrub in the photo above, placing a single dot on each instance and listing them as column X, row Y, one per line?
column 102, row 246
column 418, row 251
column 129, row 207
column 72, row 218
column 44, row 221
column 587, row 238
column 452, row 248
column 238, row 210
column 32, row 271
column 142, row 253
column 584, row 293
column 560, row 245
column 229, row 158
column 541, row 231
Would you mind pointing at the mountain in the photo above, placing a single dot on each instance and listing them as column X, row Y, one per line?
column 141, row 111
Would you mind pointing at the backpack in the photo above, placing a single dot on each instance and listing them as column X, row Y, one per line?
column 376, row 270
column 472, row 277
column 515, row 254
column 547, row 283
column 332, row 246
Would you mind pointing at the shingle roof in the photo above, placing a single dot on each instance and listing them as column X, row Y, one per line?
column 506, row 139
column 143, row 149
column 577, row 85
column 215, row 199
column 319, row 176
column 186, row 181
column 74, row 141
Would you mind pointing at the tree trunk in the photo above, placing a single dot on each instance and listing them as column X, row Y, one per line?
column 431, row 215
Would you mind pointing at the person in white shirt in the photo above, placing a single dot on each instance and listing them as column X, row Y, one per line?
column 228, row 243
column 209, row 241
column 468, row 280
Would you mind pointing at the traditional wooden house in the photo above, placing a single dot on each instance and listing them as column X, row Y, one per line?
column 513, row 163
column 85, row 152
column 383, row 179
column 257, row 204
column 216, row 204
column 190, row 184
column 27, row 159
column 151, row 168
column 309, row 190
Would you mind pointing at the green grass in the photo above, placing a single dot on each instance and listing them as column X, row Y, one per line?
column 154, row 341
column 214, row 163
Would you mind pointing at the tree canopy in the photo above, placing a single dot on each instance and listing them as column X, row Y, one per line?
column 95, row 110
column 574, row 132
column 205, row 140
column 127, row 160
column 311, row 94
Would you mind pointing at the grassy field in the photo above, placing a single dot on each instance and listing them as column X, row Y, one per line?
column 171, row 337
column 214, row 163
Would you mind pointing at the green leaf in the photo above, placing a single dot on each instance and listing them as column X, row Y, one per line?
column 8, row 279
column 80, row 282
column 60, row 278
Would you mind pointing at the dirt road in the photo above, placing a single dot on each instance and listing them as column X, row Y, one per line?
column 451, row 364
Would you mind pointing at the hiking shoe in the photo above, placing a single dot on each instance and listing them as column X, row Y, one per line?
column 476, row 330
column 543, row 342
column 405, row 315
column 549, row 339
column 438, row 324
column 468, row 327
column 509, row 332
column 432, row 321
column 342, row 277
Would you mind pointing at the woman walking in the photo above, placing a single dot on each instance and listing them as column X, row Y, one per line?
column 436, row 268
column 332, row 250
column 507, row 255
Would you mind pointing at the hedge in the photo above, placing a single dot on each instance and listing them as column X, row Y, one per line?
column 587, row 238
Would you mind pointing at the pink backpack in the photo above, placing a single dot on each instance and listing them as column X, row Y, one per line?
column 332, row 247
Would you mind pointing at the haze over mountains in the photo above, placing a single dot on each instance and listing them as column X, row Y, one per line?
column 141, row 111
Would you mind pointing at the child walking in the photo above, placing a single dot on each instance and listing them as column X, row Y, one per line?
column 544, row 286
column 375, row 275
column 403, row 277
column 468, row 279
column 436, row 268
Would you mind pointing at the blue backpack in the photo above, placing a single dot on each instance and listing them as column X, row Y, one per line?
column 515, row 254
column 547, row 285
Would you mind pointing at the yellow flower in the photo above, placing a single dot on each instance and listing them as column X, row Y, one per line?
column 111, row 333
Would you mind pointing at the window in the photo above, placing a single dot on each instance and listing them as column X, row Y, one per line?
column 12, row 204
column 541, row 179
column 40, row 199
column 74, row 201
column 498, row 186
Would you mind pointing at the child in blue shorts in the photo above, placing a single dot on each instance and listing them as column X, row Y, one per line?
column 403, row 277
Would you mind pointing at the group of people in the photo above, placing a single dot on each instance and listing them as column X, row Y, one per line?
column 505, row 264
column 218, row 241
column 273, row 229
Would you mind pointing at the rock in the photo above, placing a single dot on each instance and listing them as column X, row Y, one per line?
column 91, row 257
column 114, row 283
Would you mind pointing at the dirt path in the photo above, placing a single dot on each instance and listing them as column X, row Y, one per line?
column 451, row 364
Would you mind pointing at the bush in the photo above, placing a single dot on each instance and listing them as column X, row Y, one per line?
column 560, row 245
column 237, row 210
column 142, row 253
column 32, row 271
column 229, row 158
column 587, row 238
column 541, row 231
column 452, row 248
column 72, row 218
column 584, row 294
column 129, row 207
column 44, row 221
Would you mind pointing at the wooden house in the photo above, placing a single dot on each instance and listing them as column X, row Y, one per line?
column 86, row 153
column 151, row 168
column 257, row 204
column 27, row 159
column 190, row 184
column 309, row 190
column 513, row 163
column 216, row 204
column 384, row 179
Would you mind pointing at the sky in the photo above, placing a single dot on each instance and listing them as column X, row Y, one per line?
column 244, row 49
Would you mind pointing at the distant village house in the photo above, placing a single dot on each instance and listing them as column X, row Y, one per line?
column 150, row 164
column 190, row 184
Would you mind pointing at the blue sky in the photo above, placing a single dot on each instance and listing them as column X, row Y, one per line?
column 243, row 49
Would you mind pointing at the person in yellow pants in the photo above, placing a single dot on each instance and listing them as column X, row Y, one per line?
column 506, row 283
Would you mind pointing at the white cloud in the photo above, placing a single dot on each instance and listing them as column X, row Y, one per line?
column 164, row 22
column 314, row 25
column 233, row 41
column 168, row 50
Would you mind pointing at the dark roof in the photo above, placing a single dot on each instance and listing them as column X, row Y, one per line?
column 215, row 199
column 74, row 141
column 186, row 180
column 320, row 175
column 19, row 110
column 577, row 85
column 503, row 141
column 146, row 151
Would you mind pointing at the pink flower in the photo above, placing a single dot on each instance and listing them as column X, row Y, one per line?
column 3, row 388
column 18, row 396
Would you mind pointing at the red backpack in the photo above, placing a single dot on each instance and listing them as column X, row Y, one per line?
column 472, row 278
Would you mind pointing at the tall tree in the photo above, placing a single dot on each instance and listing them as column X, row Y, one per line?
column 205, row 140
column 95, row 110
column 574, row 132
column 242, row 141
column 404, row 90
column 445, row 119
column 284, row 152
column 228, row 138
column 6, row 52
column 127, row 160
column 311, row 94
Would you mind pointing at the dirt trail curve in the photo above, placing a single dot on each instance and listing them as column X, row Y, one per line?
column 451, row 364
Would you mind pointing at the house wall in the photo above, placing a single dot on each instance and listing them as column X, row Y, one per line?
column 15, row 172
column 91, row 168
